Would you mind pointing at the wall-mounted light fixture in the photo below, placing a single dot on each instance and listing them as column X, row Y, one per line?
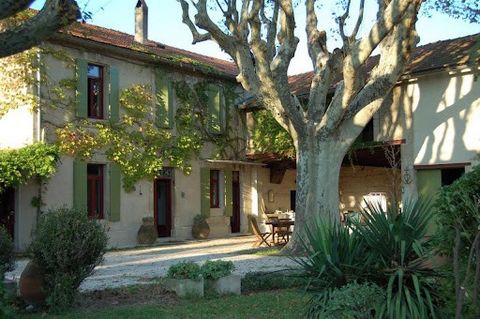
column 271, row 197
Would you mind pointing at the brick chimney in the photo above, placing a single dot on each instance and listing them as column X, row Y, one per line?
column 141, row 22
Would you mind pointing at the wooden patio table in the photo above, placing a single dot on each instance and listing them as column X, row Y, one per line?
column 278, row 223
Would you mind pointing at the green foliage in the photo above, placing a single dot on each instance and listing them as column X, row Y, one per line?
column 451, row 207
column 269, row 137
column 136, row 144
column 184, row 270
column 400, row 250
column 5, row 310
column 335, row 254
column 18, row 166
column 353, row 300
column 258, row 281
column 67, row 245
column 198, row 219
column 217, row 269
column 458, row 205
column 7, row 256
column 389, row 248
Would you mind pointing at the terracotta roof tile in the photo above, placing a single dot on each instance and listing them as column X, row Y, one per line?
column 124, row 40
column 432, row 56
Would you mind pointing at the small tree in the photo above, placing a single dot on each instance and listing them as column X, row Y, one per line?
column 259, row 36
column 54, row 15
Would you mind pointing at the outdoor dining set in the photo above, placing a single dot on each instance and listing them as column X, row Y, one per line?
column 279, row 228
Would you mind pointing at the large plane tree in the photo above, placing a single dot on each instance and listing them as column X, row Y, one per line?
column 260, row 37
column 18, row 37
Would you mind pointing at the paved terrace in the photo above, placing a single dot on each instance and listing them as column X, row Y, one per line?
column 140, row 265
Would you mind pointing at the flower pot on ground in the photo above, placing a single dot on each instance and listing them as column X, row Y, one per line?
column 185, row 280
column 200, row 228
column 147, row 234
column 219, row 277
column 31, row 286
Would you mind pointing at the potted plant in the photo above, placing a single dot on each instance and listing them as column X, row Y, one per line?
column 185, row 278
column 200, row 228
column 147, row 233
column 219, row 277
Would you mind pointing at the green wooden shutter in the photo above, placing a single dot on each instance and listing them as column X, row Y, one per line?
column 223, row 111
column 82, row 89
column 205, row 192
column 114, row 97
column 115, row 189
column 228, row 193
column 164, row 100
column 214, row 109
column 429, row 181
column 80, row 185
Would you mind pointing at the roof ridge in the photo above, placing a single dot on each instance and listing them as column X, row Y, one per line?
column 148, row 43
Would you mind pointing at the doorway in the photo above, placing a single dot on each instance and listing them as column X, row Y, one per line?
column 235, row 219
column 7, row 210
column 163, row 206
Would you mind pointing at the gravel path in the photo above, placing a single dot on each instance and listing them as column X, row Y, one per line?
column 140, row 265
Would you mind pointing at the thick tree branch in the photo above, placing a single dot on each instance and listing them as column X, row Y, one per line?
column 197, row 37
column 9, row 8
column 54, row 15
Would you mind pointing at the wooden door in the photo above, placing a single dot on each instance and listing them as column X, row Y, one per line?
column 163, row 206
column 7, row 210
column 235, row 219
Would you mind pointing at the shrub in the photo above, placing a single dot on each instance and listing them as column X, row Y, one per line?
column 451, row 207
column 7, row 257
column 458, row 226
column 67, row 245
column 335, row 254
column 184, row 270
column 400, row 251
column 5, row 310
column 258, row 281
column 217, row 269
column 353, row 300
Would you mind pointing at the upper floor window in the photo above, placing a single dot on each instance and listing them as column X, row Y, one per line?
column 214, row 189
column 95, row 190
column 95, row 91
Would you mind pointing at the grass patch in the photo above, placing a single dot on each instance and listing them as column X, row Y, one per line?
column 265, row 251
column 271, row 304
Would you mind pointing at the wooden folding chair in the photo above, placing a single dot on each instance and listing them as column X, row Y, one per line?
column 261, row 236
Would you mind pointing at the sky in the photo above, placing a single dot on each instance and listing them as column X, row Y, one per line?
column 165, row 26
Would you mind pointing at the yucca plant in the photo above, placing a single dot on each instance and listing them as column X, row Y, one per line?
column 397, row 239
column 335, row 254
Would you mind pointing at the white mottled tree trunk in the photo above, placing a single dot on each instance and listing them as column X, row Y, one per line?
column 318, row 174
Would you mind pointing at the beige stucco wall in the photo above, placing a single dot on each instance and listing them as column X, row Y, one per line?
column 446, row 124
column 17, row 128
column 136, row 204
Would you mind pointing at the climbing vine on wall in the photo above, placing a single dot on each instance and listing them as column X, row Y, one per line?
column 269, row 137
column 138, row 145
column 18, row 166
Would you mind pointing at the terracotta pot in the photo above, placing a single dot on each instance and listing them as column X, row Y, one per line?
column 147, row 234
column 200, row 230
column 31, row 284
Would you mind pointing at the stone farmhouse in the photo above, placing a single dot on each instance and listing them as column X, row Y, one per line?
column 426, row 135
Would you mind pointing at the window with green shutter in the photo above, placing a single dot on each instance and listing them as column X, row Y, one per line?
column 80, row 185
column 216, row 110
column 163, row 100
column 114, row 94
column 228, row 193
column 205, row 192
column 82, row 88
column 115, row 191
